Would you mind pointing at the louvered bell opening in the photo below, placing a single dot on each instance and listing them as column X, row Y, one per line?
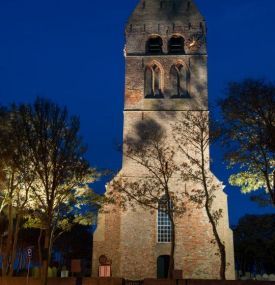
column 176, row 45
column 154, row 46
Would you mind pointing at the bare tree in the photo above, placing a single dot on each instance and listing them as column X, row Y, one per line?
column 151, row 188
column 191, row 133
column 3, row 140
column 61, row 173
column 15, row 183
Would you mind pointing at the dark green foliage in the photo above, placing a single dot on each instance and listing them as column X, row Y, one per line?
column 76, row 244
column 249, row 135
column 254, row 241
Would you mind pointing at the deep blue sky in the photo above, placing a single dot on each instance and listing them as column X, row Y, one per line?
column 72, row 52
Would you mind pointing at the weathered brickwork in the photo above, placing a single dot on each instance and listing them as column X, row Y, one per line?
column 134, row 87
column 129, row 238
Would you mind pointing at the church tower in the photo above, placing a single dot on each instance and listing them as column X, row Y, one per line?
column 166, row 73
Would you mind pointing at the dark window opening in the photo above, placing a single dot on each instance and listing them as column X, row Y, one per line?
column 154, row 45
column 153, row 82
column 176, row 45
column 180, row 80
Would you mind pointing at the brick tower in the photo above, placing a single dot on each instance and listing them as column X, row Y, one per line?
column 166, row 73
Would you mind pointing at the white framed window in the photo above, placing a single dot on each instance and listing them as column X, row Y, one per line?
column 164, row 223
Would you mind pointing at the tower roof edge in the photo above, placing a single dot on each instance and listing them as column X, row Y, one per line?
column 170, row 11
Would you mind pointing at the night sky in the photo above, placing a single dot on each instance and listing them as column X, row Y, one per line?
column 72, row 52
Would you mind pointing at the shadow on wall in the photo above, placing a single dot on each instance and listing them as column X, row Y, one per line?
column 146, row 132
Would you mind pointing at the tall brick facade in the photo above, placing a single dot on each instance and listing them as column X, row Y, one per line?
column 166, row 75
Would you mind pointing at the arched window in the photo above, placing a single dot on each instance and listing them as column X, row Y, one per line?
column 176, row 45
column 154, row 45
column 164, row 222
column 153, row 82
column 180, row 77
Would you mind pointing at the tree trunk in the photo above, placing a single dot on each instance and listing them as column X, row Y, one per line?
column 273, row 198
column 39, row 251
column 211, row 219
column 46, row 257
column 173, row 239
column 217, row 237
column 172, row 251
column 220, row 245
column 20, row 258
column 51, row 245
column 8, row 246
column 271, row 190
column 14, row 246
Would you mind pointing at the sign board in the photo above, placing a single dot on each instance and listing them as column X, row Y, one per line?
column 64, row 274
column 29, row 252
column 76, row 266
column 104, row 271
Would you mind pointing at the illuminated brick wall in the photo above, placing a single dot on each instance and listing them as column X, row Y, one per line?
column 129, row 238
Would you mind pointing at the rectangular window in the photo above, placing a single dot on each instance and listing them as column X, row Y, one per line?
column 164, row 225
